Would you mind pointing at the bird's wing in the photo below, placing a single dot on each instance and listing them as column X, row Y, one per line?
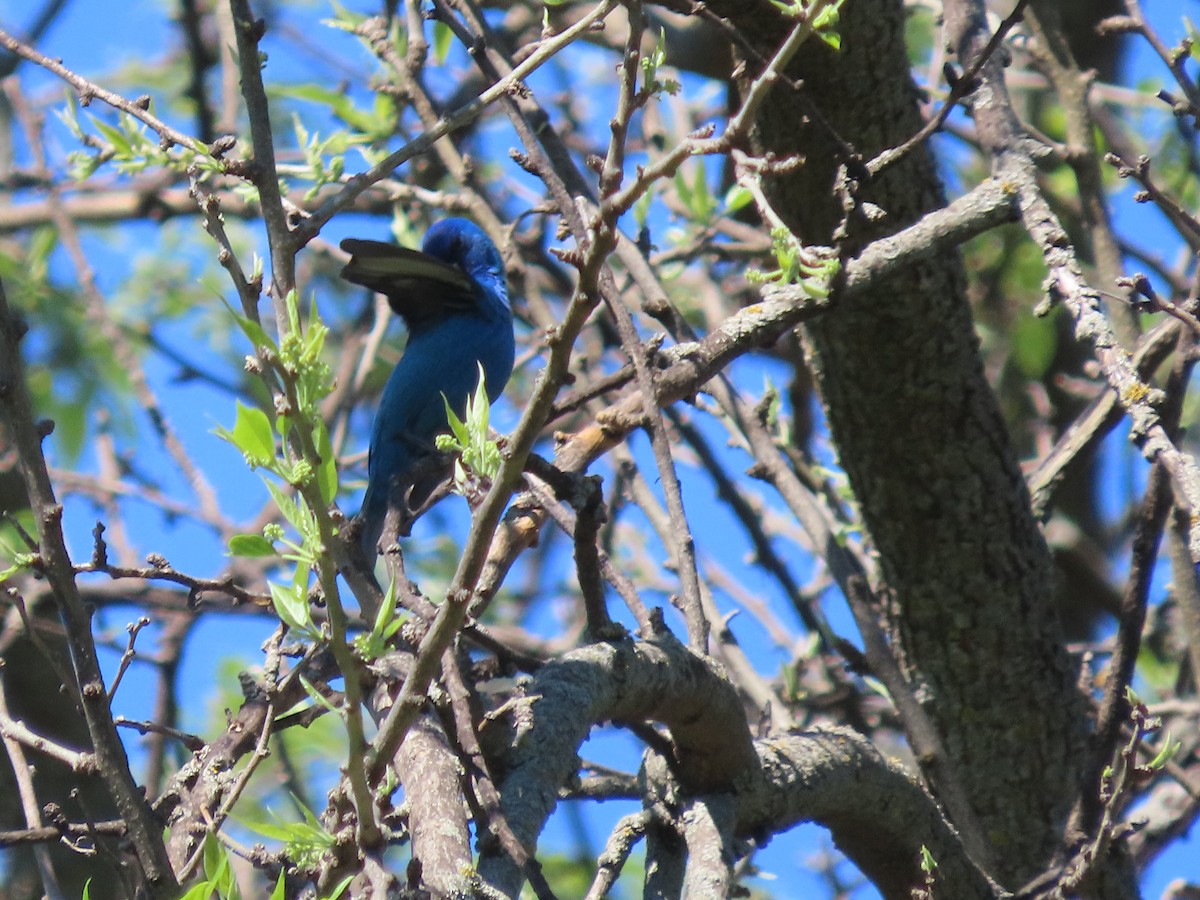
column 418, row 286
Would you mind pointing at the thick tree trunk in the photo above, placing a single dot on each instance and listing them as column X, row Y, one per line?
column 968, row 577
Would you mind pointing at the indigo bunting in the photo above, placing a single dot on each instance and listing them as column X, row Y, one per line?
column 453, row 296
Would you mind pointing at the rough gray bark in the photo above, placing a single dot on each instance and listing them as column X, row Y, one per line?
column 626, row 681
column 437, row 811
column 920, row 434
column 879, row 817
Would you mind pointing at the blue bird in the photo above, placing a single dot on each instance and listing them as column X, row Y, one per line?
column 453, row 296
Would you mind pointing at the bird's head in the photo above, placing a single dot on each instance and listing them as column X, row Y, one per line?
column 464, row 244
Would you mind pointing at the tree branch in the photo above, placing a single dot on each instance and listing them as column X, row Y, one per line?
column 55, row 564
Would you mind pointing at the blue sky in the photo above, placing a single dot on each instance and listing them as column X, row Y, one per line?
column 90, row 37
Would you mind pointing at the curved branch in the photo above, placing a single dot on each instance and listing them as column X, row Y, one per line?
column 628, row 681
column 878, row 815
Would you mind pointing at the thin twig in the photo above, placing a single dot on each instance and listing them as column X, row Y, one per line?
column 89, row 90
column 962, row 86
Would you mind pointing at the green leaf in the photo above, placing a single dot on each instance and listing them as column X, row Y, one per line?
column 387, row 609
column 114, row 136
column 301, row 131
column 292, row 303
column 652, row 61
column 252, row 434
column 695, row 195
column 442, row 38
column 928, row 863
column 832, row 38
column 478, row 407
column 283, row 426
column 1168, row 751
column 387, row 622
column 268, row 830
column 878, row 687
column 469, row 438
column 458, row 427
column 82, row 165
column 291, row 605
column 1193, row 38
column 295, row 511
column 69, row 115
column 304, row 841
column 280, row 892
column 825, row 25
column 216, row 866
column 41, row 245
column 313, row 822
column 737, row 197
column 317, row 332
column 253, row 330
column 202, row 891
column 317, row 697
column 379, row 123
column 346, row 20
column 251, row 545
column 340, row 889
column 327, row 474
column 20, row 561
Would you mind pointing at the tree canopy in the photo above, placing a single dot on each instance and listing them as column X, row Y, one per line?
column 843, row 476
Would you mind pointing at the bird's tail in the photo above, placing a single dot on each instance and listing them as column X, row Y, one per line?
column 372, row 515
